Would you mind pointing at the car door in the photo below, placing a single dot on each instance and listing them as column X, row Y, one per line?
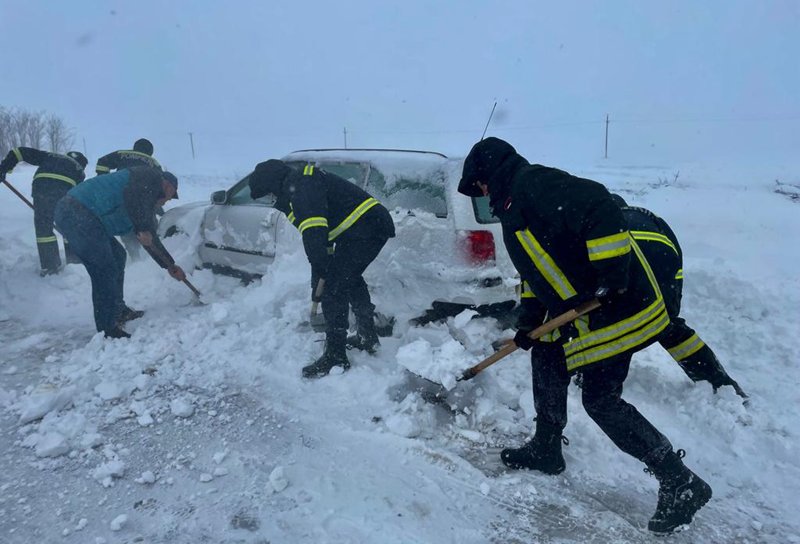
column 240, row 233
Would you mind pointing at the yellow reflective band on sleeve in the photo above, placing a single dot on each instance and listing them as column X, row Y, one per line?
column 291, row 218
column 545, row 264
column 103, row 169
column 686, row 348
column 308, row 170
column 649, row 236
column 45, row 239
column 18, row 153
column 56, row 177
column 312, row 222
column 679, row 274
column 609, row 246
column 354, row 216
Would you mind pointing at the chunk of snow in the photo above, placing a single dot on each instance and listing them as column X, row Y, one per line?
column 41, row 402
column 147, row 477
column 277, row 479
column 51, row 444
column 181, row 407
column 118, row 522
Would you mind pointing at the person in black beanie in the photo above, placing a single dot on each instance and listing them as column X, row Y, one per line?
column 570, row 243
column 344, row 230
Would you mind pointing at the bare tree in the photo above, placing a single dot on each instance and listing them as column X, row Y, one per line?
column 33, row 129
column 59, row 137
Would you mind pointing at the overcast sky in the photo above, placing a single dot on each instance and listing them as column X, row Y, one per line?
column 681, row 80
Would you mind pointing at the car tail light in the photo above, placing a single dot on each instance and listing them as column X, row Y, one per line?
column 479, row 246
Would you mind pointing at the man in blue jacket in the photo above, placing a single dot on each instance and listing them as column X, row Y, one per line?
column 96, row 211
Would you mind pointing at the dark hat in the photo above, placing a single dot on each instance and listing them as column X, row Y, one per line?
column 78, row 156
column 143, row 145
column 267, row 178
column 618, row 200
column 172, row 180
column 483, row 161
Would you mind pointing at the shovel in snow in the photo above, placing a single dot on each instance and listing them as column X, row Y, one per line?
column 316, row 321
column 535, row 334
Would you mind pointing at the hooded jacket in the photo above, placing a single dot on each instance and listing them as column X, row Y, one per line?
column 325, row 208
column 124, row 158
column 567, row 237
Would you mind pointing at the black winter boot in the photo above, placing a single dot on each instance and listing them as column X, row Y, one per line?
column 116, row 332
column 335, row 355
column 681, row 494
column 542, row 452
column 366, row 337
column 128, row 314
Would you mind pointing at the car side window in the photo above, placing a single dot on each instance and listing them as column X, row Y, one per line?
column 239, row 194
column 483, row 213
column 425, row 191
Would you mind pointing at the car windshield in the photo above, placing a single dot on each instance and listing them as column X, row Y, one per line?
column 354, row 172
column 483, row 213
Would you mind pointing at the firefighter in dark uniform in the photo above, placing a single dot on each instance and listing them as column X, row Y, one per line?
column 344, row 230
column 570, row 243
column 140, row 155
column 56, row 175
column 663, row 252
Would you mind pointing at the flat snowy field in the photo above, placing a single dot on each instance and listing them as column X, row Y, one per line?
column 200, row 429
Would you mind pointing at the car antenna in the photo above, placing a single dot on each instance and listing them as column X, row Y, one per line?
column 489, row 120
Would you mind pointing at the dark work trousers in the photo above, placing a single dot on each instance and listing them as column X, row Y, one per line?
column 602, row 400
column 101, row 254
column 46, row 194
column 345, row 285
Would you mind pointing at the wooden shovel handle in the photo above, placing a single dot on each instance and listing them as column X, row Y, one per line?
column 535, row 334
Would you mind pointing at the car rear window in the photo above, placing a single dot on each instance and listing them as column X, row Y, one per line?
column 410, row 190
column 483, row 213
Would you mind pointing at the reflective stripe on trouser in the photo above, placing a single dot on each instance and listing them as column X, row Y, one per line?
column 601, row 393
column 344, row 283
column 45, row 197
column 101, row 254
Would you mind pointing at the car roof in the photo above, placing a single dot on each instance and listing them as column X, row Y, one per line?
column 363, row 152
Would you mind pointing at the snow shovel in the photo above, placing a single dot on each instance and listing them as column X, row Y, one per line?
column 14, row 190
column 163, row 260
column 536, row 333
column 316, row 321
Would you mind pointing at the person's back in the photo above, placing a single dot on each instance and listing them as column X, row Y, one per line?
column 140, row 155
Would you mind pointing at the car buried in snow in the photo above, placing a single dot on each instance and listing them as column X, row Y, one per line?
column 446, row 243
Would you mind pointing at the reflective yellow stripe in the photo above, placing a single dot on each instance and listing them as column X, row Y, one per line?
column 545, row 264
column 686, row 348
column 354, row 216
column 104, row 169
column 609, row 246
column 525, row 290
column 312, row 222
column 620, row 345
column 653, row 237
column 45, row 239
column 623, row 335
column 291, row 217
column 308, row 170
column 679, row 274
column 18, row 153
column 56, row 177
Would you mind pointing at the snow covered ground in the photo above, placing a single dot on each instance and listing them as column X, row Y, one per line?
column 200, row 429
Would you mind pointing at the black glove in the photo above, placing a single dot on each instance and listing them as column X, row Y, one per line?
column 608, row 296
column 522, row 340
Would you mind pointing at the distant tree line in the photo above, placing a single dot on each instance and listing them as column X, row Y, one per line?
column 40, row 130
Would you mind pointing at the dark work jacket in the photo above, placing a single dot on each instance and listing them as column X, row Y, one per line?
column 53, row 167
column 661, row 249
column 124, row 158
column 567, row 237
column 329, row 210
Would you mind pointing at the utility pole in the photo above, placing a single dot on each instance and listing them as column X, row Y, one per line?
column 191, row 142
column 606, row 154
column 345, row 137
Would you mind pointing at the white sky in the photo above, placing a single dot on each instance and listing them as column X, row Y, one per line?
column 681, row 80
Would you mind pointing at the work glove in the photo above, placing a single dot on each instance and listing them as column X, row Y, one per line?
column 608, row 296
column 522, row 340
column 718, row 381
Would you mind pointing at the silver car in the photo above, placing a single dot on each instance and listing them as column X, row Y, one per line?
column 446, row 243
